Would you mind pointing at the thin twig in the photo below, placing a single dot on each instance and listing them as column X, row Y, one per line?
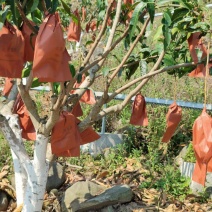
column 58, row 104
column 101, row 33
column 150, row 74
column 129, row 51
column 43, row 3
column 23, row 16
column 105, row 54
column 29, row 81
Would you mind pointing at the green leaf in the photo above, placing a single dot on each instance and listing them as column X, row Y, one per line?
column 120, row 72
column 143, row 67
column 66, row 7
column 134, row 20
column 89, row 42
column 72, row 70
column 26, row 71
column 163, row 2
column 79, row 78
column 166, row 21
column 186, row 5
column 158, row 33
column 3, row 15
column 34, row 5
column 201, row 25
column 131, row 69
column 179, row 14
column 159, row 47
column 54, row 5
column 168, row 60
column 35, row 83
column 48, row 4
column 167, row 18
column 151, row 9
column 14, row 12
column 36, row 16
column 105, row 71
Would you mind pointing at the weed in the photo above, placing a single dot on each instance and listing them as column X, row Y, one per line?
column 190, row 156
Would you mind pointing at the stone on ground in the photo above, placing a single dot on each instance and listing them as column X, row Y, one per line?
column 78, row 193
column 56, row 177
column 3, row 201
column 87, row 196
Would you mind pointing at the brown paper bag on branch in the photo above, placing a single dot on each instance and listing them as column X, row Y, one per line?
column 28, row 130
column 139, row 113
column 202, row 144
column 11, row 51
column 51, row 57
column 173, row 118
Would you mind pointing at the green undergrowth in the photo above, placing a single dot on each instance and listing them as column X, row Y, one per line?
column 144, row 144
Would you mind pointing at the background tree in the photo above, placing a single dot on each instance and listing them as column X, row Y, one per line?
column 102, row 23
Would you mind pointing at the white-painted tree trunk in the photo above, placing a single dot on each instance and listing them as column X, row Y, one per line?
column 30, row 175
column 37, row 178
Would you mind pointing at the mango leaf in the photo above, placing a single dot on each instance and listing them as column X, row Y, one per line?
column 14, row 12
column 66, row 7
column 26, row 71
column 35, row 83
column 201, row 25
column 151, row 9
column 158, row 33
column 186, row 5
column 105, row 71
column 120, row 72
column 163, row 2
column 89, row 42
column 3, row 15
column 79, row 78
column 159, row 47
column 72, row 70
column 179, row 14
column 34, row 5
column 167, row 18
column 36, row 16
column 131, row 69
column 54, row 5
column 166, row 21
column 143, row 67
column 48, row 4
column 134, row 20
column 168, row 60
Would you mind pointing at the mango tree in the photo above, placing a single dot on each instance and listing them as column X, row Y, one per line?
column 34, row 37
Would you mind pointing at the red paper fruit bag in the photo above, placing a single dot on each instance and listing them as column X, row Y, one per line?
column 88, row 97
column 51, row 57
column 28, row 130
column 29, row 41
column 7, row 86
column 139, row 113
column 65, row 138
column 173, row 118
column 202, row 144
column 74, row 29
column 11, row 51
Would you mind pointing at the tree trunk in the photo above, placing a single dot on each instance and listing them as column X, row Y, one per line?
column 30, row 175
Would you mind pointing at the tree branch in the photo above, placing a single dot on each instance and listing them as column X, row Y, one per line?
column 20, row 9
column 105, row 54
column 119, row 107
column 150, row 74
column 112, row 32
column 129, row 51
column 29, row 104
column 101, row 33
